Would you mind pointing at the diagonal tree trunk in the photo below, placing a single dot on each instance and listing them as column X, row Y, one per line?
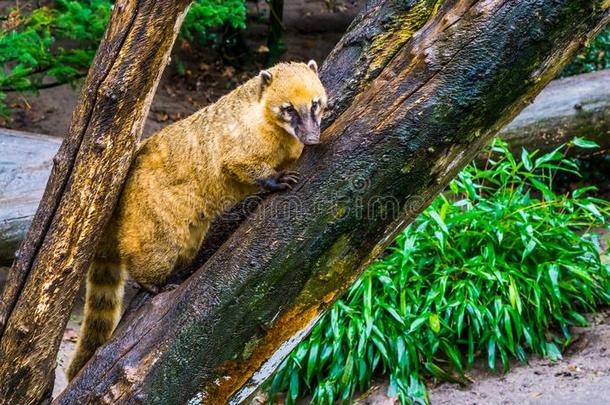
column 569, row 107
column 408, row 112
column 85, row 182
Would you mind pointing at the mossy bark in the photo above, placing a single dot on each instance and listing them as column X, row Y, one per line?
column 82, row 190
column 397, row 134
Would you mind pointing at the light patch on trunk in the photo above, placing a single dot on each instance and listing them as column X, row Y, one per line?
column 448, row 163
column 269, row 366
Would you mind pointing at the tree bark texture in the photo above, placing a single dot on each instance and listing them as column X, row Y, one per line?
column 574, row 106
column 409, row 109
column 84, row 185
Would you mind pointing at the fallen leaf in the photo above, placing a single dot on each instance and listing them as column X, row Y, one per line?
column 228, row 72
column 161, row 116
column 70, row 335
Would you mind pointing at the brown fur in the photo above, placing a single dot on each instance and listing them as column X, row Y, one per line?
column 183, row 177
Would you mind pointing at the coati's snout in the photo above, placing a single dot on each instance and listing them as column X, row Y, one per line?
column 305, row 123
column 295, row 100
column 309, row 133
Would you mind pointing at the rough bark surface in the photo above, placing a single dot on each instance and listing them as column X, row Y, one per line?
column 424, row 106
column 574, row 106
column 86, row 179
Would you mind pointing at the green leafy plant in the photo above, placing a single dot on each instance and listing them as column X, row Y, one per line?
column 29, row 57
column 498, row 266
column 207, row 14
column 27, row 52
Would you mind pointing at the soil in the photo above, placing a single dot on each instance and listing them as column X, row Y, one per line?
column 313, row 27
column 581, row 377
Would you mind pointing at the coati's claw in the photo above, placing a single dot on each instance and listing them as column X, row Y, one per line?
column 169, row 287
column 282, row 181
column 289, row 178
column 149, row 288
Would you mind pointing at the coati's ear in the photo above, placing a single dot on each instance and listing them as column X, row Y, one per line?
column 266, row 78
column 313, row 66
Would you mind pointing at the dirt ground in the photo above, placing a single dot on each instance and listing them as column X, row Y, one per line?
column 313, row 27
column 581, row 377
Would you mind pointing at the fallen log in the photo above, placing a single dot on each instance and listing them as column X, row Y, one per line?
column 574, row 106
column 423, row 109
column 25, row 164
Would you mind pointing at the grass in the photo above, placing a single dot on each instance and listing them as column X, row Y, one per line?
column 499, row 266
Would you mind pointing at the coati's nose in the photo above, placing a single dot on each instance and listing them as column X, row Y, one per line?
column 311, row 135
column 308, row 129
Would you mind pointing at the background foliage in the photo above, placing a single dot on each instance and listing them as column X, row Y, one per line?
column 51, row 46
column 592, row 57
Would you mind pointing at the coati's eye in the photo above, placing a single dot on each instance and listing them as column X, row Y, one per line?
column 288, row 109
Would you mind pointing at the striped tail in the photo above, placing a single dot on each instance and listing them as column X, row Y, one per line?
column 102, row 311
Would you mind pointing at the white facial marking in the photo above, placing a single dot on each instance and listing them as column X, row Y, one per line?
column 289, row 129
column 283, row 112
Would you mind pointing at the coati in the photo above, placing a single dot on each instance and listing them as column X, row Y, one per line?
column 188, row 173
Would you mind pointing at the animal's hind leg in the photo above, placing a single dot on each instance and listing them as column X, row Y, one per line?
column 151, row 271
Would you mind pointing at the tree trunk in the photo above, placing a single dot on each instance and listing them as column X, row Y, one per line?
column 275, row 43
column 574, row 106
column 408, row 112
column 83, row 188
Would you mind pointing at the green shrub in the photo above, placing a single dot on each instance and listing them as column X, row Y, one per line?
column 207, row 14
column 27, row 51
column 498, row 266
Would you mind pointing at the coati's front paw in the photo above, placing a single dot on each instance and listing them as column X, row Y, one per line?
column 282, row 181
